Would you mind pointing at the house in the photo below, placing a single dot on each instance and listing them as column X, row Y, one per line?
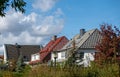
column 82, row 46
column 12, row 52
column 1, row 58
column 45, row 54
column 2, row 65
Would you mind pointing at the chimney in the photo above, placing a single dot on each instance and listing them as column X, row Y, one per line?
column 82, row 31
column 54, row 37
column 73, row 44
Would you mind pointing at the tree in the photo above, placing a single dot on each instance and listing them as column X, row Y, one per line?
column 20, row 64
column 18, row 5
column 109, row 46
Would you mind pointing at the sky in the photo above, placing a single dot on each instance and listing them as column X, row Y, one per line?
column 45, row 18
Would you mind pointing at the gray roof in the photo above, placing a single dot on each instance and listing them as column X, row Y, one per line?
column 69, row 44
column 12, row 52
column 88, row 40
column 92, row 39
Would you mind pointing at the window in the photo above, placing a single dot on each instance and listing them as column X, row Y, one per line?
column 35, row 57
column 81, row 55
column 62, row 54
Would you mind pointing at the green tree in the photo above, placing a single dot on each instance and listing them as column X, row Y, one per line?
column 20, row 64
column 18, row 5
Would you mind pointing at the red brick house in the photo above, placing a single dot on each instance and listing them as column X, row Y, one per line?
column 45, row 54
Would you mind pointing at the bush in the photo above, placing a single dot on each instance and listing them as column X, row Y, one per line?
column 106, row 70
column 17, row 74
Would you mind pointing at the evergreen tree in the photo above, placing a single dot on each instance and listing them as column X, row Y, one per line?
column 20, row 64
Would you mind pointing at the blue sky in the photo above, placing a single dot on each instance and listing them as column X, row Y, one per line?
column 89, row 14
column 45, row 18
column 86, row 14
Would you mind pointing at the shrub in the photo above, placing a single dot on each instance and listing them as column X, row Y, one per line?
column 106, row 70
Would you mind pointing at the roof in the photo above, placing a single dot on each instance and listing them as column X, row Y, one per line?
column 53, row 45
column 12, row 52
column 88, row 40
column 92, row 39
column 1, row 57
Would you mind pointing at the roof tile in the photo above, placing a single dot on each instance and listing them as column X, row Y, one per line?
column 51, row 46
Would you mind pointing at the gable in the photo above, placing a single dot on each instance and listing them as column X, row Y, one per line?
column 53, row 46
column 70, row 42
column 62, row 43
column 92, row 40
column 88, row 40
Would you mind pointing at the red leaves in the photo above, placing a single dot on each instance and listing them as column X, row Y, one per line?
column 110, row 42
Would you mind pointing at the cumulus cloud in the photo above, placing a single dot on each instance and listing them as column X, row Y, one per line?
column 29, row 29
column 32, row 28
column 49, row 26
column 16, row 22
column 1, row 49
column 59, row 12
column 44, row 5
column 24, row 38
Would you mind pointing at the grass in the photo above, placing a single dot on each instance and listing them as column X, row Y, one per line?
column 106, row 70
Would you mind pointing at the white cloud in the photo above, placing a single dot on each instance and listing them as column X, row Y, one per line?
column 58, row 12
column 44, row 5
column 24, row 38
column 33, row 28
column 49, row 26
column 1, row 49
column 29, row 29
column 16, row 22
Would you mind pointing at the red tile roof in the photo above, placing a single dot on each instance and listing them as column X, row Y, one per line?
column 51, row 46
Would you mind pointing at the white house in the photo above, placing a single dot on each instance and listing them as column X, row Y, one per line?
column 12, row 52
column 61, row 56
column 82, row 45
column 35, row 56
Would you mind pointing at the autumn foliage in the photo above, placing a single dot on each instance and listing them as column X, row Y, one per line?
column 109, row 46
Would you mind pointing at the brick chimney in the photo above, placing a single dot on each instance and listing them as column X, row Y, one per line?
column 54, row 37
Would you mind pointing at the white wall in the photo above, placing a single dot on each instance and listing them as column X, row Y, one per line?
column 35, row 57
column 5, row 55
column 60, row 56
column 88, row 57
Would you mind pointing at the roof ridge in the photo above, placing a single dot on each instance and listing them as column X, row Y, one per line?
column 88, row 36
column 55, row 43
column 51, row 42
